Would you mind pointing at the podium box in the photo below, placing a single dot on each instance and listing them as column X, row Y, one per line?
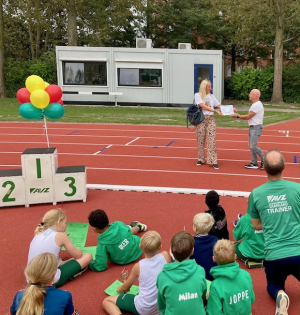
column 41, row 180
column 70, row 183
column 39, row 166
column 12, row 188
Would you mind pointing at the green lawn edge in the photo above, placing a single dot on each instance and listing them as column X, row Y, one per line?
column 175, row 116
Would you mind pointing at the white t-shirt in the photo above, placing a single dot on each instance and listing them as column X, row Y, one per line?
column 45, row 243
column 210, row 101
column 146, row 301
column 258, row 118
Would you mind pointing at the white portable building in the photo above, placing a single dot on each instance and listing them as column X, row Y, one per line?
column 137, row 76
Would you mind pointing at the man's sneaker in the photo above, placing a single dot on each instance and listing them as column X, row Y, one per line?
column 235, row 222
column 78, row 273
column 199, row 163
column 143, row 227
column 254, row 263
column 239, row 216
column 216, row 166
column 251, row 165
column 261, row 165
column 76, row 312
column 282, row 303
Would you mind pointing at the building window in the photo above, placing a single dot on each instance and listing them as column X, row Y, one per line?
column 240, row 67
column 139, row 77
column 228, row 70
column 289, row 55
column 84, row 73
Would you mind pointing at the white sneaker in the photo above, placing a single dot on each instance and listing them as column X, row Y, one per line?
column 282, row 304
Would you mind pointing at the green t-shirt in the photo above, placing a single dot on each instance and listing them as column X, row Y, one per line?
column 277, row 204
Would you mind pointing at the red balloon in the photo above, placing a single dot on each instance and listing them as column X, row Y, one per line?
column 60, row 102
column 23, row 96
column 54, row 92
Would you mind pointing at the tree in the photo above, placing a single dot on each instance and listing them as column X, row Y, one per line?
column 2, row 80
column 258, row 24
column 178, row 21
column 72, row 24
column 33, row 27
column 286, row 12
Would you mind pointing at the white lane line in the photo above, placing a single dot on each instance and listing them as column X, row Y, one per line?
column 103, row 149
column 184, row 172
column 194, row 147
column 132, row 141
column 67, row 126
column 153, row 156
column 169, row 171
column 156, row 138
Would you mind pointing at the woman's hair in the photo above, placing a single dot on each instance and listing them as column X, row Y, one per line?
column 203, row 222
column 50, row 218
column 150, row 242
column 224, row 252
column 40, row 273
column 182, row 245
column 202, row 88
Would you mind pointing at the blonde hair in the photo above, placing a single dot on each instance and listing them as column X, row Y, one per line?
column 150, row 242
column 203, row 222
column 202, row 88
column 50, row 218
column 224, row 252
column 40, row 273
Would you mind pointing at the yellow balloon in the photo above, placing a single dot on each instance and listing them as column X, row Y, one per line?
column 46, row 84
column 34, row 82
column 40, row 98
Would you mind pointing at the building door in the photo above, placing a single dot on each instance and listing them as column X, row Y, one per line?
column 202, row 72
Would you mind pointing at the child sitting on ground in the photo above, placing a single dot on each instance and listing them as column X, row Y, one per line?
column 50, row 236
column 219, row 229
column 146, row 270
column 117, row 242
column 232, row 291
column 40, row 297
column 251, row 247
column 204, row 243
column 182, row 285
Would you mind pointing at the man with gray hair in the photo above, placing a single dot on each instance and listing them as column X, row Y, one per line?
column 255, row 118
column 274, row 208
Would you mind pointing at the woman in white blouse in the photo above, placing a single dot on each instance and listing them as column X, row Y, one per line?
column 207, row 128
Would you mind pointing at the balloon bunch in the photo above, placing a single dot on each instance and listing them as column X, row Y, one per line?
column 40, row 99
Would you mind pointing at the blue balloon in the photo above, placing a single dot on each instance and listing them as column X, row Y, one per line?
column 54, row 111
column 29, row 111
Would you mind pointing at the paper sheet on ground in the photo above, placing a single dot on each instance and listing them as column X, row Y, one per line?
column 78, row 233
column 112, row 289
column 227, row 110
column 89, row 249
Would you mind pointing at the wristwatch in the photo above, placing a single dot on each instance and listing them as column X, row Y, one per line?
column 238, row 116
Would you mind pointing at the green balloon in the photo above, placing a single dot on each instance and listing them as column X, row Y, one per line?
column 28, row 111
column 54, row 111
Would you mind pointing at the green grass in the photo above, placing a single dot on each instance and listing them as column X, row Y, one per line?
column 146, row 115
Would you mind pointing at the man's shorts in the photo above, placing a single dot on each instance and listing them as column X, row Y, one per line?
column 125, row 302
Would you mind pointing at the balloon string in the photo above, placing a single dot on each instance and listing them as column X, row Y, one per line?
column 45, row 130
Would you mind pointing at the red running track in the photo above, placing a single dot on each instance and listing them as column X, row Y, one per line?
column 151, row 155
column 138, row 155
